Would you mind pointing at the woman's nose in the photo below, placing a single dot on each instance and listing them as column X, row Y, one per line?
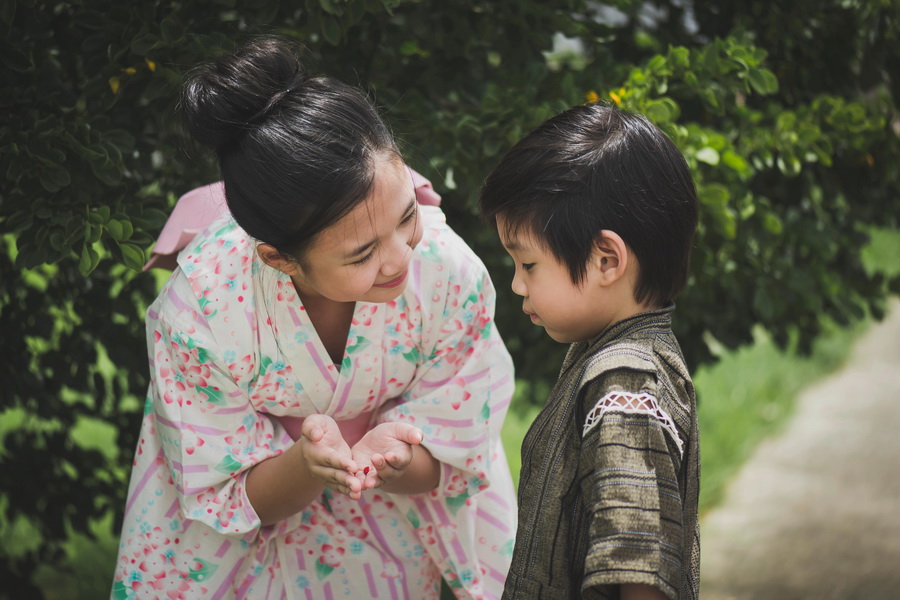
column 396, row 257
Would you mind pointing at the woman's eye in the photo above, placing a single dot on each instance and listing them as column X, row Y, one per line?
column 408, row 217
column 364, row 259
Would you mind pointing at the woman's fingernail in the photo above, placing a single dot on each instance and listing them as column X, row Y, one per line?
column 366, row 471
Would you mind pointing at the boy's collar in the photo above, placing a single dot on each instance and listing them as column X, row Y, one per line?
column 656, row 317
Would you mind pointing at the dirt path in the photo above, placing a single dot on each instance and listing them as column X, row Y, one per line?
column 815, row 512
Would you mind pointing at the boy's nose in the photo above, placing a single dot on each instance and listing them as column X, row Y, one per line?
column 518, row 287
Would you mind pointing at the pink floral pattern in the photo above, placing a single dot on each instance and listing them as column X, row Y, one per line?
column 232, row 351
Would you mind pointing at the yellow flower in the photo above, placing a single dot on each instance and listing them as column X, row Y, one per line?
column 592, row 97
column 616, row 97
column 114, row 84
column 150, row 64
column 130, row 70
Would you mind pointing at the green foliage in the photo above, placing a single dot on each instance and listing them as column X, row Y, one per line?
column 786, row 113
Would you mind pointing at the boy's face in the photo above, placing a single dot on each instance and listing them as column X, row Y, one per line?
column 568, row 312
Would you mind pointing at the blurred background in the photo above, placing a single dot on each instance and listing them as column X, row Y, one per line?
column 785, row 111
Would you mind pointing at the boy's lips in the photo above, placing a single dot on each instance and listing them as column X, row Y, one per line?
column 393, row 282
column 531, row 315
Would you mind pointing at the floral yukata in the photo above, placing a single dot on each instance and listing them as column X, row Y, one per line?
column 234, row 357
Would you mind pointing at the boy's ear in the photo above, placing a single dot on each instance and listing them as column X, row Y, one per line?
column 275, row 259
column 611, row 257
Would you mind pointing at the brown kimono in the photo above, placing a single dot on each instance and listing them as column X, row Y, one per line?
column 611, row 472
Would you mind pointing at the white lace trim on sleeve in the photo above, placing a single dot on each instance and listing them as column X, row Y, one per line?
column 632, row 404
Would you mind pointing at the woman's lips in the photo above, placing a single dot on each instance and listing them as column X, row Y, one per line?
column 393, row 282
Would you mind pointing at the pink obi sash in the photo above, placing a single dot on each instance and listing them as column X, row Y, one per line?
column 352, row 429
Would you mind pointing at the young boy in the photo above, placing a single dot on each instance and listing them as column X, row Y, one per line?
column 598, row 210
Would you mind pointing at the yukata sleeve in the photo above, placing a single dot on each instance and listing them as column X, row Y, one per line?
column 631, row 453
column 462, row 390
column 209, row 432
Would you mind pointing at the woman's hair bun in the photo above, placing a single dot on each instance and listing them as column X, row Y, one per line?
column 224, row 99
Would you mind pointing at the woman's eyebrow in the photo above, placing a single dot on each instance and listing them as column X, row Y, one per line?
column 365, row 247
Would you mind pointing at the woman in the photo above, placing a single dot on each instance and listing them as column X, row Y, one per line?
column 327, row 384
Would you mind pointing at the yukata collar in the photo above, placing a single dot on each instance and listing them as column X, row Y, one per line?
column 660, row 317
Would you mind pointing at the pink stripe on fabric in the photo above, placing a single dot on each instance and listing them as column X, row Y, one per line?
column 500, row 382
column 441, row 513
column 467, row 379
column 309, row 595
column 196, row 428
column 492, row 520
column 426, row 514
column 223, row 549
column 152, row 314
column 457, row 547
column 457, row 444
column 371, row 579
column 191, row 468
column 498, row 499
column 494, row 573
column 242, row 591
column 393, row 587
column 417, row 278
column 450, row 422
column 172, row 509
column 327, row 590
column 499, row 406
column 232, row 410
column 142, row 483
column 379, row 535
column 345, row 395
column 318, row 362
column 294, row 317
column 178, row 303
column 223, row 589
column 301, row 560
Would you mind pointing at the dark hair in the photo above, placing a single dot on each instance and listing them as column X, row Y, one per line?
column 597, row 167
column 296, row 152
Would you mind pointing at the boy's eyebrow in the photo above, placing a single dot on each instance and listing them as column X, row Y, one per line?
column 365, row 247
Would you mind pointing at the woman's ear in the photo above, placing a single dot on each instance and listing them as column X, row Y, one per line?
column 275, row 259
column 610, row 257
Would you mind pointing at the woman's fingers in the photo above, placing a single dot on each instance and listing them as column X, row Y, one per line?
column 408, row 434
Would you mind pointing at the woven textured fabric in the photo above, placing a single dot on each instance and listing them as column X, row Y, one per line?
column 611, row 472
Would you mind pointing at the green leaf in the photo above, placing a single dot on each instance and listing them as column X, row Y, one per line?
column 772, row 223
column 714, row 195
column 115, row 229
column 735, row 161
column 89, row 260
column 331, row 30
column 134, row 256
column 763, row 81
column 708, row 155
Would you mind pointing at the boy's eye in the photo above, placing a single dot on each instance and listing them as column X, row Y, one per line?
column 527, row 266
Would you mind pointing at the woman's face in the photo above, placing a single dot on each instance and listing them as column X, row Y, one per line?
column 365, row 256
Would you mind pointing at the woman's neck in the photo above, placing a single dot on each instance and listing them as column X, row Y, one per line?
column 331, row 321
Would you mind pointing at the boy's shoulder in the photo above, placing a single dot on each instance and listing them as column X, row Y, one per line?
column 640, row 356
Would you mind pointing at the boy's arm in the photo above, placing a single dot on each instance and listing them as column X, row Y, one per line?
column 640, row 591
column 630, row 458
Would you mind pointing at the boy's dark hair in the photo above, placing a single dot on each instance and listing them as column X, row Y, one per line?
column 596, row 167
column 296, row 152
